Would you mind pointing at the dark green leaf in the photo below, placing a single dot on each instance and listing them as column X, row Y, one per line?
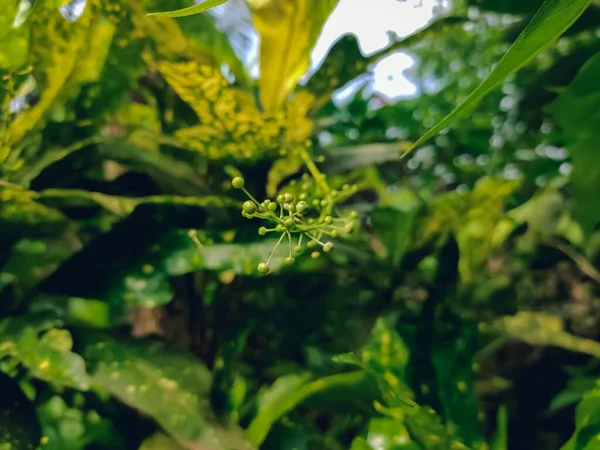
column 577, row 111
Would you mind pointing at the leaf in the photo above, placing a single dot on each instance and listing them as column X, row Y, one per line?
column 19, row 426
column 56, row 47
column 389, row 434
column 395, row 228
column 385, row 350
column 20, row 213
column 70, row 428
column 343, row 159
column 288, row 392
column 576, row 110
column 541, row 329
column 160, row 441
column 47, row 357
column 195, row 9
column 148, row 377
column 549, row 23
column 587, row 423
column 288, row 31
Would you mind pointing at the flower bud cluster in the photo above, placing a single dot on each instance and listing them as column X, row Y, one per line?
column 303, row 215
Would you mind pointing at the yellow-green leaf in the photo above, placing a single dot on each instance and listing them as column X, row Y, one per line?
column 288, row 31
column 550, row 22
column 195, row 9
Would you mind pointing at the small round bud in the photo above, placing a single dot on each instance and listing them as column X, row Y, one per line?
column 354, row 188
column 328, row 247
column 298, row 249
column 289, row 261
column 315, row 202
column 324, row 203
column 334, row 193
column 263, row 268
column 279, row 227
column 305, row 187
column 293, row 183
column 328, row 220
column 262, row 231
column 311, row 244
column 353, row 214
column 302, row 196
column 272, row 206
column 249, row 207
column 310, row 221
column 315, row 255
column 280, row 199
column 335, row 233
column 345, row 187
column 288, row 198
column 302, row 207
column 237, row 182
column 289, row 223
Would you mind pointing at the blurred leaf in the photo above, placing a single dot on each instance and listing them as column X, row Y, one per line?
column 389, row 434
column 19, row 425
column 576, row 388
column 47, row 357
column 587, row 423
column 21, row 213
column 288, row 392
column 67, row 428
column 385, row 350
column 500, row 438
column 195, row 9
column 576, row 110
column 395, row 227
column 342, row 159
column 160, row 441
column 288, row 31
column 56, row 47
column 541, row 329
column 148, row 377
column 550, row 22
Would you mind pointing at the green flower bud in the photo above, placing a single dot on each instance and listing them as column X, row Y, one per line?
column 272, row 206
column 324, row 203
column 280, row 199
column 289, row 261
column 249, row 207
column 237, row 182
column 302, row 207
column 279, row 227
column 311, row 244
column 262, row 231
column 315, row 202
column 289, row 223
column 345, row 187
column 335, row 233
column 315, row 255
column 298, row 249
column 328, row 247
column 263, row 268
column 334, row 193
column 353, row 214
column 302, row 196
column 328, row 220
column 288, row 198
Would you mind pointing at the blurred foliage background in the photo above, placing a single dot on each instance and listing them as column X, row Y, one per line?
column 463, row 313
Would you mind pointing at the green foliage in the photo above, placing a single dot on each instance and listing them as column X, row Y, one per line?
column 133, row 310
column 550, row 22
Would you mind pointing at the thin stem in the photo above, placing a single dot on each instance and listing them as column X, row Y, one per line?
column 193, row 235
column 290, row 241
column 584, row 265
column 315, row 172
column 275, row 248
column 250, row 196
column 316, row 240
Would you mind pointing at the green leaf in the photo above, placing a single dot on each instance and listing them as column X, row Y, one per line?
column 576, row 110
column 587, row 423
column 288, row 31
column 288, row 392
column 147, row 377
column 395, row 227
column 550, row 22
column 67, row 428
column 47, row 357
column 541, row 329
column 385, row 350
column 195, row 9
column 389, row 434
column 160, row 441
column 19, row 426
